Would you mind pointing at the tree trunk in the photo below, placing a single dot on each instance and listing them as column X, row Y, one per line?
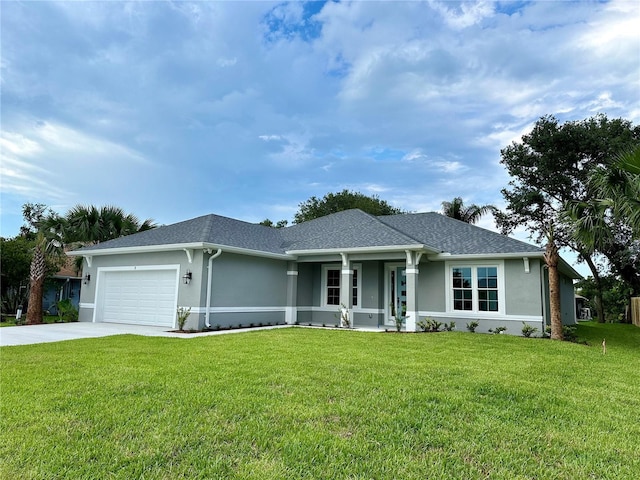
column 38, row 268
column 551, row 258
column 596, row 280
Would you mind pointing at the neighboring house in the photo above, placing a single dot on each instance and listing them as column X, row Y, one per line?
column 236, row 273
column 65, row 284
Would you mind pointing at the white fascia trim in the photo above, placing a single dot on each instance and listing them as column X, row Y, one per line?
column 564, row 266
column 86, row 305
column 179, row 247
column 484, row 256
column 384, row 248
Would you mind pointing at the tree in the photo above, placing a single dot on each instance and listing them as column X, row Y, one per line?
column 345, row 200
column 615, row 292
column 550, row 167
column 15, row 259
column 618, row 188
column 269, row 223
column 87, row 225
column 48, row 243
column 90, row 224
column 552, row 258
column 609, row 221
column 469, row 214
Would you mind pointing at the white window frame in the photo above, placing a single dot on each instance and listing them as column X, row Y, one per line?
column 475, row 311
column 336, row 266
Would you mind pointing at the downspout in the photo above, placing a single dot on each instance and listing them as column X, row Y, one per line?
column 209, row 282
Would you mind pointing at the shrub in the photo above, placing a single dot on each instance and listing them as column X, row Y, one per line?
column 399, row 321
column 430, row 325
column 66, row 311
column 450, row 326
column 498, row 330
column 528, row 330
column 471, row 326
column 569, row 333
column 183, row 313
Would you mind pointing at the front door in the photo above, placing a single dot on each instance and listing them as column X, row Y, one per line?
column 396, row 292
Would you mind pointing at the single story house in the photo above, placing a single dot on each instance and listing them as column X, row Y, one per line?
column 369, row 268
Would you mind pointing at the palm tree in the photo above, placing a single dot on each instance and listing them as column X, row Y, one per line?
column 469, row 214
column 618, row 187
column 90, row 225
column 614, row 206
column 552, row 258
column 48, row 244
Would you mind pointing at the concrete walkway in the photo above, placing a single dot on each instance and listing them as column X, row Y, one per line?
column 56, row 332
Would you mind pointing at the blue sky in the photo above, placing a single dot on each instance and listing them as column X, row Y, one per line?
column 172, row 110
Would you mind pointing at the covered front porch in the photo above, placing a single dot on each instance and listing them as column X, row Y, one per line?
column 363, row 291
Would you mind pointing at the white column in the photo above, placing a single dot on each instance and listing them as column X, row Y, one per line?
column 412, row 272
column 346, row 288
column 291, row 312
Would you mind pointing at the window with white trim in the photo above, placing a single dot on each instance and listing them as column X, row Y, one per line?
column 475, row 288
column 331, row 280
column 333, row 286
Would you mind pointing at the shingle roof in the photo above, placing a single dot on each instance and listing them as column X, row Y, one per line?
column 213, row 229
column 454, row 236
column 346, row 229
column 349, row 229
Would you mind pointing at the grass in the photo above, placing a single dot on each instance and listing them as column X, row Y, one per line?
column 10, row 321
column 305, row 403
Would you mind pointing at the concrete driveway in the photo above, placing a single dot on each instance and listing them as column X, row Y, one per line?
column 56, row 332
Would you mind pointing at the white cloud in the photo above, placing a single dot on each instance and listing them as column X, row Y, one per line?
column 18, row 144
column 464, row 14
column 254, row 104
column 268, row 138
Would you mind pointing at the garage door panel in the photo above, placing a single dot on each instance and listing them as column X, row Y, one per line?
column 144, row 297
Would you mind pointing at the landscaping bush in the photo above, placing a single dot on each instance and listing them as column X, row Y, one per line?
column 528, row 330
column 471, row 326
column 66, row 311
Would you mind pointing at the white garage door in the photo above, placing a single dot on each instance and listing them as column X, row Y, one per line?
column 143, row 297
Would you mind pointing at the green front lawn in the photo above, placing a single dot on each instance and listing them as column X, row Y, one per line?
column 326, row 404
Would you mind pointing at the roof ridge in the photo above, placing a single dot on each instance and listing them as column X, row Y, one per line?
column 378, row 217
column 396, row 230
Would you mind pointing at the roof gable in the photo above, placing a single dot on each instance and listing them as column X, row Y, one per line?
column 347, row 229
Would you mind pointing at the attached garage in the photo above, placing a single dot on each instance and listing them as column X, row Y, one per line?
column 137, row 295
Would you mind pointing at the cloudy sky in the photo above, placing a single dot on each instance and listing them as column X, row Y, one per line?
column 175, row 109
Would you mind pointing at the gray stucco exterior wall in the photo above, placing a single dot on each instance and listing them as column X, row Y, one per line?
column 240, row 280
column 431, row 287
column 523, row 294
